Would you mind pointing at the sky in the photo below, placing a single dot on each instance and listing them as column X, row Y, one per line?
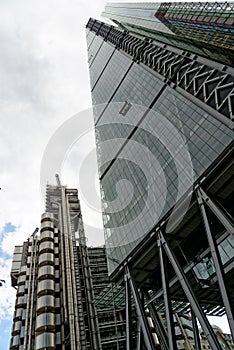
column 44, row 83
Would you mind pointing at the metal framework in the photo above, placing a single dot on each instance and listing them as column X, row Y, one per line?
column 209, row 84
column 157, row 275
column 166, row 254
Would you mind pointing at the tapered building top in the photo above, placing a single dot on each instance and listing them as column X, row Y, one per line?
column 205, row 28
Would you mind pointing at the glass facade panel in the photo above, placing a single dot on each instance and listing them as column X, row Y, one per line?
column 98, row 64
column 174, row 143
column 206, row 268
column 94, row 48
column 89, row 37
column 226, row 249
column 110, row 79
column 128, row 105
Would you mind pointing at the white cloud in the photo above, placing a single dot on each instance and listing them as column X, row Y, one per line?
column 7, row 293
column 9, row 241
column 44, row 81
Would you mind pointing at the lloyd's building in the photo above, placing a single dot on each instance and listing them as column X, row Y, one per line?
column 163, row 100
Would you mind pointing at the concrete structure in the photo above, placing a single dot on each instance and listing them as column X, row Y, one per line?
column 163, row 116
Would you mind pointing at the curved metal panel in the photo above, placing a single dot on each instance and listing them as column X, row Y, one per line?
column 47, row 235
column 46, row 258
column 46, row 246
column 45, row 320
column 47, row 225
column 45, row 286
column 46, row 271
column 45, row 341
column 45, row 301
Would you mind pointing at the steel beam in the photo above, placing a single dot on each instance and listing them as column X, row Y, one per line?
column 196, row 332
column 167, row 298
column 217, row 263
column 209, row 333
column 148, row 339
column 128, row 311
column 217, row 211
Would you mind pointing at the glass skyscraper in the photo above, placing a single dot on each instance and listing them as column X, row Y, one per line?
column 167, row 104
column 163, row 113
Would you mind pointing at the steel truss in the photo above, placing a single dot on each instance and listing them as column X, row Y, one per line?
column 208, row 84
column 145, row 309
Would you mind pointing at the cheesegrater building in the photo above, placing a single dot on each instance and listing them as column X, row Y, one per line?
column 58, row 279
column 163, row 103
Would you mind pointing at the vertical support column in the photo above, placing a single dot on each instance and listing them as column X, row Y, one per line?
column 128, row 314
column 196, row 332
column 74, row 338
column 218, row 264
column 31, row 291
column 167, row 300
column 148, row 339
column 158, row 324
column 211, row 337
column 139, row 337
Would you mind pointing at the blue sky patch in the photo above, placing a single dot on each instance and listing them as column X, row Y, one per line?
column 8, row 227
